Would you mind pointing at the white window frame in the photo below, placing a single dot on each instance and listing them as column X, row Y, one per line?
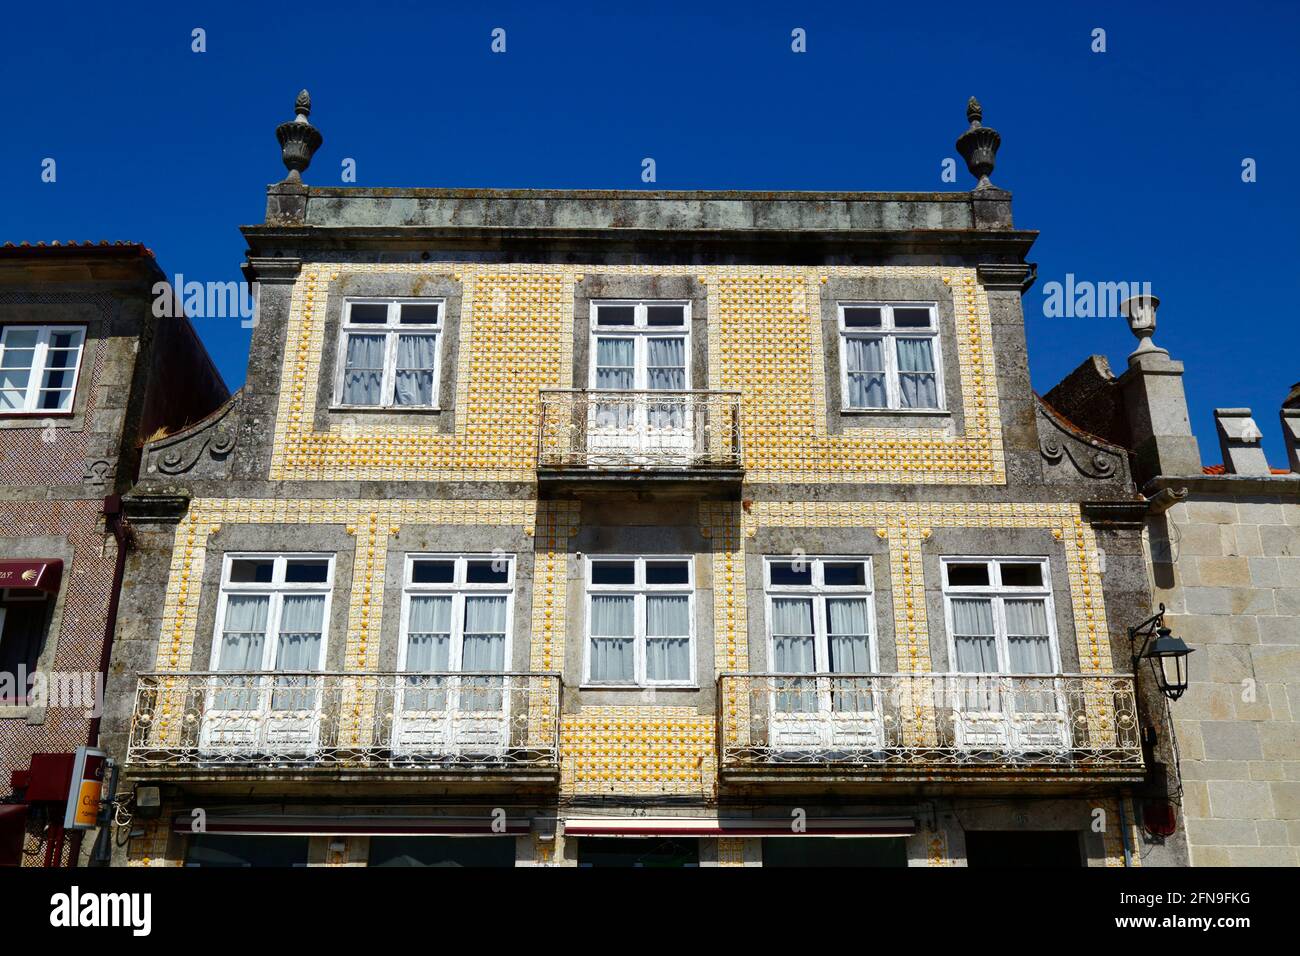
column 277, row 590
column 392, row 328
column 819, row 591
column 38, row 367
column 889, row 336
column 639, row 332
column 999, row 594
column 639, row 591
column 458, row 589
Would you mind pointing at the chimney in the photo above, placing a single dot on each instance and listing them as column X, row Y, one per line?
column 1239, row 439
column 1156, row 405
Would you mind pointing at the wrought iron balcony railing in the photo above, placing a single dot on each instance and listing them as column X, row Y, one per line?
column 935, row 724
column 343, row 720
column 642, row 430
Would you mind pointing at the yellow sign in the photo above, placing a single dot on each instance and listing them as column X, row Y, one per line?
column 87, row 813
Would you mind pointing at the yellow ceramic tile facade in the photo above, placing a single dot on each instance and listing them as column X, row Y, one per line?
column 516, row 336
column 632, row 749
column 907, row 524
column 638, row 750
column 370, row 522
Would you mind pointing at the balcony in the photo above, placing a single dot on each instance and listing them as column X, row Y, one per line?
column 254, row 725
column 590, row 436
column 913, row 728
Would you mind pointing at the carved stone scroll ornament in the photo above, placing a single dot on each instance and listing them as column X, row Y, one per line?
column 210, row 441
column 1090, row 457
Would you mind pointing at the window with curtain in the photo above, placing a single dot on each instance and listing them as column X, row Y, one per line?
column 38, row 368
column 272, row 617
column 456, row 620
column 820, row 613
column 640, row 628
column 889, row 356
column 389, row 353
column 641, row 346
column 1000, row 615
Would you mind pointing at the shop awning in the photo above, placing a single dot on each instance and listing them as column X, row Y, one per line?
column 43, row 574
column 350, row 825
column 714, row 826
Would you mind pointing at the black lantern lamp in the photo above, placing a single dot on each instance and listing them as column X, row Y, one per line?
column 1167, row 654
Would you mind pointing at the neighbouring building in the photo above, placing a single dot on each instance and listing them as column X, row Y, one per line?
column 615, row 527
column 1224, row 548
column 87, row 373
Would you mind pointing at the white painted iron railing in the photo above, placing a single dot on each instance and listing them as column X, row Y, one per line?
column 1085, row 722
column 345, row 720
column 597, row 429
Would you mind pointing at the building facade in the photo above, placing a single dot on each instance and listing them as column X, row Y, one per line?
column 599, row 527
column 87, row 373
column 1224, row 548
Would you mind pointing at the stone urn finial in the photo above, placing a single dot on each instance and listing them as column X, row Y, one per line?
column 1140, row 310
column 299, row 140
column 978, row 145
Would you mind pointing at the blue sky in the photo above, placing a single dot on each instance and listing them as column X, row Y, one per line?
column 1128, row 161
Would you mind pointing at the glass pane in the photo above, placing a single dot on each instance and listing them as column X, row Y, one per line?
column 972, row 616
column 668, row 660
column 363, row 376
column 368, row 313
column 12, row 399
column 419, row 313
column 70, row 341
column 667, row 572
column 252, row 570
column 968, row 575
column 242, row 632
column 611, row 660
column 666, row 364
column 1026, row 617
column 55, row 401
column 58, row 378
column 429, row 614
column 417, row 355
column 615, row 315
column 15, row 337
column 861, row 317
column 792, row 617
column 662, row 315
column 864, row 354
column 667, row 615
column 61, row 358
column 433, row 572
column 911, row 318
column 786, row 573
column 300, row 571
column 1022, row 575
column 844, row 574
column 612, row 615
column 615, row 361
column 613, row 572
column 488, row 571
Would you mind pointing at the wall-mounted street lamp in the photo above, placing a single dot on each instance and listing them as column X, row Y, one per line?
column 1167, row 654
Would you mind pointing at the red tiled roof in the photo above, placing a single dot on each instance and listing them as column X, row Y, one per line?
column 119, row 245
column 1221, row 470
